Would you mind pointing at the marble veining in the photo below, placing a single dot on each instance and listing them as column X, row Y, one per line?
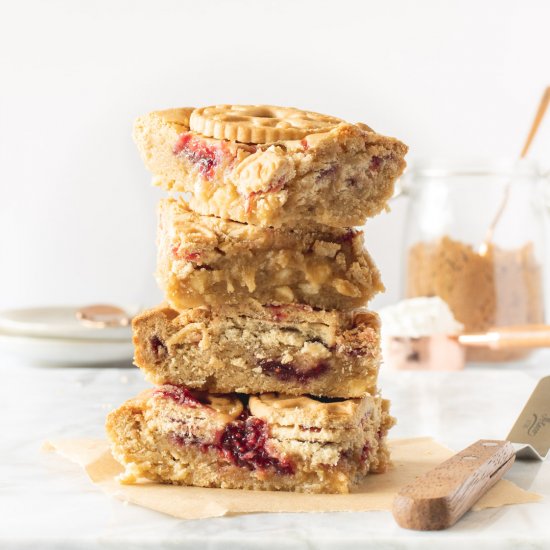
column 47, row 502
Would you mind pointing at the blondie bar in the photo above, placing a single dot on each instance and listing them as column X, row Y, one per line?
column 269, row 442
column 271, row 166
column 291, row 349
column 204, row 260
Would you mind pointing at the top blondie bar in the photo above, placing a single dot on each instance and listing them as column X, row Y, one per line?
column 271, row 166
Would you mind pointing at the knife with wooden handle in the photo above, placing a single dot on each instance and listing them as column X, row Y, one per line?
column 439, row 498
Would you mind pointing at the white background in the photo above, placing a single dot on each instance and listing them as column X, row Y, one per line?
column 77, row 221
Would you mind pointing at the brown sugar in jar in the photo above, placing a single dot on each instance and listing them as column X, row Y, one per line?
column 499, row 288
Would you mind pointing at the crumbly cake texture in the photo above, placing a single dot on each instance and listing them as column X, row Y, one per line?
column 270, row 442
column 205, row 260
column 291, row 349
column 263, row 276
column 293, row 165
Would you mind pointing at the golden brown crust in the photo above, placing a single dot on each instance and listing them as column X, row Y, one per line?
column 337, row 178
column 205, row 260
column 290, row 349
column 172, row 438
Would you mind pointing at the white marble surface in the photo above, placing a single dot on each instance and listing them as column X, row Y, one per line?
column 47, row 502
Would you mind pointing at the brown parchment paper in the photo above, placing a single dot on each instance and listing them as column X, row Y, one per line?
column 411, row 457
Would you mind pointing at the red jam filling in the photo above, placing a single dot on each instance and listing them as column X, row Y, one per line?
column 252, row 197
column 287, row 371
column 313, row 429
column 206, row 157
column 347, row 237
column 277, row 312
column 242, row 441
column 187, row 255
column 327, row 173
column 280, row 312
column 182, row 396
column 158, row 347
column 375, row 164
column 365, row 452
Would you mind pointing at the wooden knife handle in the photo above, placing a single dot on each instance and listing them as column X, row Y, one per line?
column 440, row 497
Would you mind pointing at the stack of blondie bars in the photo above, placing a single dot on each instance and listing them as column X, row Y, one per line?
column 263, row 364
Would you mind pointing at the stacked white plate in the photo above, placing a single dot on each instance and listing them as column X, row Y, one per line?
column 54, row 336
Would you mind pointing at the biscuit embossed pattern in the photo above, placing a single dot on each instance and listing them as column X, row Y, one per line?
column 259, row 123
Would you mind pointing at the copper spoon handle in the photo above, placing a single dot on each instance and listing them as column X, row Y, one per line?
column 522, row 336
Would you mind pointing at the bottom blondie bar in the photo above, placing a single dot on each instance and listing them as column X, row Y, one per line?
column 172, row 434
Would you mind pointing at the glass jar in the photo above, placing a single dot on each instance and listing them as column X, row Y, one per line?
column 489, row 278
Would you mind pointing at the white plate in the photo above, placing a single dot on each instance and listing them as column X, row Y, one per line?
column 58, row 322
column 66, row 352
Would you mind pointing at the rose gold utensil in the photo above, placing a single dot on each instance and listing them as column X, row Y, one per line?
column 446, row 352
column 539, row 116
column 103, row 315
column 523, row 336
